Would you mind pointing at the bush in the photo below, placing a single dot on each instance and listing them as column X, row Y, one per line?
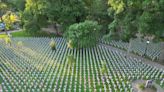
column 10, row 19
column 7, row 40
column 154, row 88
column 71, row 60
column 70, row 44
column 142, row 86
column 31, row 27
column 53, row 44
column 20, row 44
column 83, row 35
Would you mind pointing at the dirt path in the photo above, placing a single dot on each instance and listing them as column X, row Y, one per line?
column 135, row 86
column 144, row 60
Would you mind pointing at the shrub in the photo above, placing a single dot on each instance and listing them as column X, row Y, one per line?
column 142, row 86
column 83, row 35
column 53, row 44
column 103, row 68
column 107, row 37
column 20, row 43
column 31, row 27
column 71, row 60
column 70, row 44
column 10, row 18
column 154, row 88
column 8, row 40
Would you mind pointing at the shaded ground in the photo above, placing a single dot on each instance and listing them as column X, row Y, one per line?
column 144, row 60
column 136, row 83
column 0, row 88
column 10, row 31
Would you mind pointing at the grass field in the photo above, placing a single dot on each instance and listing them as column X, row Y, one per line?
column 25, row 34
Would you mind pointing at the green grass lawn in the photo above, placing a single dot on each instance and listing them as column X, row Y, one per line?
column 38, row 34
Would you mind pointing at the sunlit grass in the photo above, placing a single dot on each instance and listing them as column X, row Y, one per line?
column 3, row 36
column 37, row 34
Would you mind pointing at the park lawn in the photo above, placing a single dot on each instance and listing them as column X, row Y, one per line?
column 38, row 34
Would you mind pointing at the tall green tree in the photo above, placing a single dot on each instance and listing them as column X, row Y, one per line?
column 97, row 11
column 3, row 8
column 131, row 16
column 34, row 15
column 63, row 12
column 66, row 12
column 83, row 35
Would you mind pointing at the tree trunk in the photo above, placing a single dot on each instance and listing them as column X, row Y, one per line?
column 161, row 57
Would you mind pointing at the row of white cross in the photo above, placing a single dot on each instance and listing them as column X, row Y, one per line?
column 35, row 68
column 138, row 47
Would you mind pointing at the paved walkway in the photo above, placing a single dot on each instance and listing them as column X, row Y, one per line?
column 144, row 60
column 11, row 31
column 0, row 88
column 135, row 84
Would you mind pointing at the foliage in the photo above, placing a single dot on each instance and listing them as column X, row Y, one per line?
column 10, row 18
column 131, row 16
column 70, row 44
column 154, row 88
column 117, row 5
column 33, row 15
column 44, row 12
column 64, row 12
column 103, row 68
column 112, row 35
column 1, row 80
column 142, row 86
column 18, row 4
column 7, row 40
column 84, row 34
column 31, row 26
column 20, row 43
column 97, row 10
column 53, row 44
column 71, row 60
column 3, row 8
column 3, row 36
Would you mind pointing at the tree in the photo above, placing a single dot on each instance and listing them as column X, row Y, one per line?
column 131, row 16
column 65, row 12
column 97, row 10
column 19, row 5
column 34, row 15
column 3, row 8
column 43, row 12
column 84, row 34
column 9, row 19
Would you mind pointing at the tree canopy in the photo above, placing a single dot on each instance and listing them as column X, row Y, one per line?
column 132, row 16
column 119, row 18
